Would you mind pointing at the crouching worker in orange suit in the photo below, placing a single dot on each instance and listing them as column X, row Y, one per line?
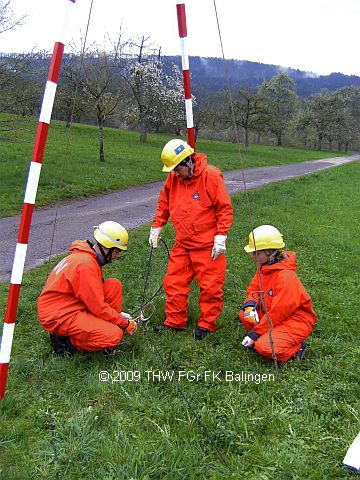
column 81, row 311
column 276, row 291
column 195, row 198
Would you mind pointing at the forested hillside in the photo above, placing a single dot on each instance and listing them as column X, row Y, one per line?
column 210, row 72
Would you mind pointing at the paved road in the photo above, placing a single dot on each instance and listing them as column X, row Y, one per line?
column 132, row 207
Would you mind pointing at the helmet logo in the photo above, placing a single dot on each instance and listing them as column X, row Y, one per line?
column 179, row 149
column 196, row 196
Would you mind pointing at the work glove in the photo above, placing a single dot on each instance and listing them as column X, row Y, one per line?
column 154, row 236
column 250, row 339
column 248, row 342
column 219, row 246
column 251, row 315
column 131, row 328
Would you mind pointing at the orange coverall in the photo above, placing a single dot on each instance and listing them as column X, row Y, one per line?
column 199, row 209
column 288, row 306
column 75, row 302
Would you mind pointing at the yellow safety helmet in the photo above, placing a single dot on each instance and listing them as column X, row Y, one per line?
column 111, row 235
column 265, row 237
column 173, row 153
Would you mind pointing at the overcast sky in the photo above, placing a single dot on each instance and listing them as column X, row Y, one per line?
column 319, row 36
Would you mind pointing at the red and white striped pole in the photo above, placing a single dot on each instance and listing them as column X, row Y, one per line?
column 181, row 17
column 29, row 201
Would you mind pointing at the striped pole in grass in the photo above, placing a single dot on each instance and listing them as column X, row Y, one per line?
column 29, row 200
column 181, row 17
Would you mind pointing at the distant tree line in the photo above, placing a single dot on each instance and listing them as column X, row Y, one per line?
column 210, row 72
column 275, row 113
column 129, row 85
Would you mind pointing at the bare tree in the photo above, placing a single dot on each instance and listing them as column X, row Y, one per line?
column 100, row 82
column 71, row 103
column 206, row 106
column 19, row 83
column 321, row 113
column 250, row 111
column 7, row 19
column 14, row 66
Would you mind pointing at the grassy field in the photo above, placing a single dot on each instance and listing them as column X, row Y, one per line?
column 71, row 166
column 58, row 420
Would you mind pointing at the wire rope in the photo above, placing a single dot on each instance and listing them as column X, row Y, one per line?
column 249, row 209
column 68, row 136
column 165, row 365
column 49, row 410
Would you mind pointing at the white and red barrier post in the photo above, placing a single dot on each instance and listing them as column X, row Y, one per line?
column 181, row 17
column 29, row 201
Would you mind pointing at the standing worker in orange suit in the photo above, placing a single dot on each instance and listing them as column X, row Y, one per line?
column 80, row 310
column 195, row 198
column 275, row 292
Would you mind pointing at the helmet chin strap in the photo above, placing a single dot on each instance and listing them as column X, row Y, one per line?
column 104, row 258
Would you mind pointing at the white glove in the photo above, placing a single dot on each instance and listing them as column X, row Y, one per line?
column 219, row 246
column 248, row 342
column 127, row 316
column 251, row 315
column 154, row 236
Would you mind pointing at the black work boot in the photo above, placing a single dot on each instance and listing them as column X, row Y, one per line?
column 300, row 354
column 62, row 345
column 113, row 351
column 200, row 333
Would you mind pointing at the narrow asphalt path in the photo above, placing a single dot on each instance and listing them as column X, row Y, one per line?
column 132, row 207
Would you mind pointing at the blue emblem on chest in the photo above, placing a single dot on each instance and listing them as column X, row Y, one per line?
column 270, row 293
column 196, row 196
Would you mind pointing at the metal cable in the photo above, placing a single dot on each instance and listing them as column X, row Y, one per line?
column 169, row 371
column 143, row 302
column 49, row 411
column 268, row 319
column 65, row 161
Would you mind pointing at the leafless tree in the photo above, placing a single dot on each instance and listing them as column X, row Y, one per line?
column 7, row 19
column 19, row 83
column 100, row 82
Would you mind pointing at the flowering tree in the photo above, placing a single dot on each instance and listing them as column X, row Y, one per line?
column 168, row 109
column 158, row 96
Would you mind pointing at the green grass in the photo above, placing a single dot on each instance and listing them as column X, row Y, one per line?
column 297, row 428
column 71, row 166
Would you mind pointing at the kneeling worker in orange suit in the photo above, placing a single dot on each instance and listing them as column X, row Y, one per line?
column 195, row 198
column 80, row 310
column 275, row 292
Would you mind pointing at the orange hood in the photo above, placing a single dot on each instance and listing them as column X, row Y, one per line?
column 81, row 246
column 288, row 263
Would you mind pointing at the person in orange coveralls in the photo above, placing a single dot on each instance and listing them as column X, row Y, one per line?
column 277, row 292
column 80, row 310
column 195, row 198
